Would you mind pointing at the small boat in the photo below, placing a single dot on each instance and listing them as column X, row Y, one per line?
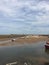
column 47, row 45
column 13, row 40
column 47, row 42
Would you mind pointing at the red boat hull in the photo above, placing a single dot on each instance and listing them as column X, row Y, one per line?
column 47, row 42
column 47, row 46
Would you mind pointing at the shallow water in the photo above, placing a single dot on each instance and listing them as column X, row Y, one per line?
column 32, row 54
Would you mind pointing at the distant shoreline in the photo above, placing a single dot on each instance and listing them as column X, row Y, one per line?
column 30, row 39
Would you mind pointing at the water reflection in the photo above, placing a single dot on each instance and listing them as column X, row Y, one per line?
column 47, row 50
column 29, row 54
column 47, row 63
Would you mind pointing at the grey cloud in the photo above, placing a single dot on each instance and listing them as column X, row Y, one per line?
column 28, row 16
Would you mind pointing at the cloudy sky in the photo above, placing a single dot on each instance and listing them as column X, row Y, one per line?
column 24, row 16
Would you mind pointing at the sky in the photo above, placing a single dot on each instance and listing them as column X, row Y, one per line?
column 24, row 16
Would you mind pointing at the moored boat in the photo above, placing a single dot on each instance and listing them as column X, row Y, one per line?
column 13, row 40
column 47, row 42
column 47, row 45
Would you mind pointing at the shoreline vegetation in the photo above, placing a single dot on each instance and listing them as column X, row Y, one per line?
column 5, row 40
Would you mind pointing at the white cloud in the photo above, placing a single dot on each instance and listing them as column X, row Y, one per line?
column 27, row 14
column 14, row 6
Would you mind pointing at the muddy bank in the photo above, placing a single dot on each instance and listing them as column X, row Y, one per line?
column 22, row 40
column 31, row 39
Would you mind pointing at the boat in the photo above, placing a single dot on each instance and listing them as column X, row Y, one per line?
column 47, row 42
column 13, row 40
column 47, row 45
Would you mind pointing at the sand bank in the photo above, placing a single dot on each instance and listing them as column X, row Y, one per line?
column 22, row 40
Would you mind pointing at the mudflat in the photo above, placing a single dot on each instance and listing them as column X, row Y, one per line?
column 5, row 41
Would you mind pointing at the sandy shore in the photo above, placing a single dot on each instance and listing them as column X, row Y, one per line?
column 22, row 40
